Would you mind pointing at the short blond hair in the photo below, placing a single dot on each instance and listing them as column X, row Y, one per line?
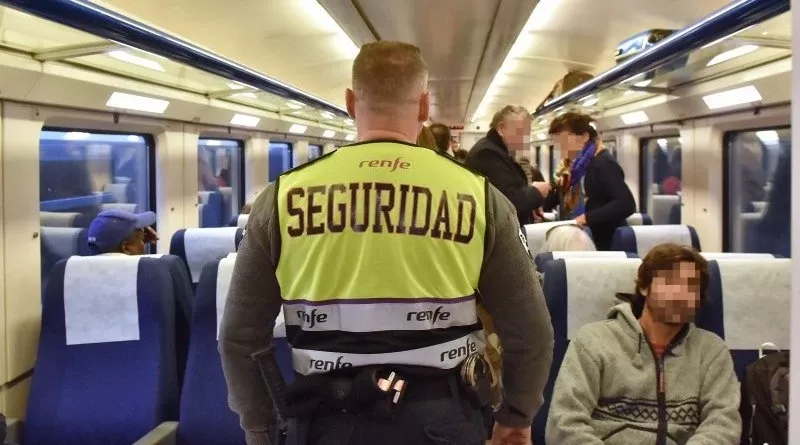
column 388, row 72
column 507, row 113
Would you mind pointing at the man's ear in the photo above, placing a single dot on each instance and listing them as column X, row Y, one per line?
column 350, row 102
column 424, row 106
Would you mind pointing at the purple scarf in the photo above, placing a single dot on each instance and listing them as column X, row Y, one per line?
column 579, row 167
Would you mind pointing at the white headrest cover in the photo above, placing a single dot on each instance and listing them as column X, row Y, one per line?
column 592, row 285
column 241, row 221
column 755, row 298
column 205, row 245
column 224, row 275
column 648, row 237
column 735, row 256
column 588, row 254
column 635, row 220
column 62, row 241
column 100, row 299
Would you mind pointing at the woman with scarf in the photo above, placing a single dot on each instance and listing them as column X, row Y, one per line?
column 589, row 185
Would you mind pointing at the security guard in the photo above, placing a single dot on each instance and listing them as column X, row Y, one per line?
column 378, row 253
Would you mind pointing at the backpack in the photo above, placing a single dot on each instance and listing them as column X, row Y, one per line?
column 571, row 80
column 765, row 400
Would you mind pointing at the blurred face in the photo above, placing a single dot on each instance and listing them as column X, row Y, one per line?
column 516, row 133
column 674, row 295
column 570, row 144
column 135, row 244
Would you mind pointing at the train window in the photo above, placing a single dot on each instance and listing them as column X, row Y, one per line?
column 661, row 179
column 314, row 151
column 220, row 180
column 758, row 190
column 611, row 146
column 81, row 174
column 280, row 159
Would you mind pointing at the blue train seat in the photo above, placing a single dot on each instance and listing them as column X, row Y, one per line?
column 196, row 247
column 105, row 370
column 544, row 258
column 205, row 418
column 639, row 219
column 59, row 243
column 211, row 209
column 753, row 296
column 577, row 294
column 640, row 239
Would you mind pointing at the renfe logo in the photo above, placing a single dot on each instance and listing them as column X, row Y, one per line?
column 329, row 365
column 432, row 316
column 312, row 318
column 469, row 347
column 391, row 165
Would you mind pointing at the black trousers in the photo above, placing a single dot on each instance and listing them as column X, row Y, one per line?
column 441, row 421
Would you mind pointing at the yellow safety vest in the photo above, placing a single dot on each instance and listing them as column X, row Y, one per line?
column 381, row 250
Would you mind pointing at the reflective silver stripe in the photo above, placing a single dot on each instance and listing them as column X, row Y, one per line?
column 402, row 315
column 442, row 356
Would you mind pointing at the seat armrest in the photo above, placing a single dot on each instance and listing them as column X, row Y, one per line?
column 164, row 434
column 14, row 431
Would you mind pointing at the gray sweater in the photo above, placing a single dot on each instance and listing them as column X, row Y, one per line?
column 606, row 391
column 508, row 289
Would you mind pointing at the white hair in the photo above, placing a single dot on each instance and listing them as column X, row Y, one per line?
column 567, row 237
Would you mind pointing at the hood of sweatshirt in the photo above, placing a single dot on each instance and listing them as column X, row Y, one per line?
column 627, row 323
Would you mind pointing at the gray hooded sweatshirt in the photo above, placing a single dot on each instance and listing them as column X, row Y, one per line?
column 611, row 389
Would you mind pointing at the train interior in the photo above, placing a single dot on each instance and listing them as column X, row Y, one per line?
column 190, row 108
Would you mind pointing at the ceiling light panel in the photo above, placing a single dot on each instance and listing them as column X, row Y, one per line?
column 125, row 56
column 298, row 129
column 737, row 96
column 637, row 117
column 127, row 101
column 244, row 120
column 732, row 54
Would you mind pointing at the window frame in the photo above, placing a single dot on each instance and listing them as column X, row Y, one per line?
column 726, row 178
column 644, row 157
column 150, row 144
column 241, row 182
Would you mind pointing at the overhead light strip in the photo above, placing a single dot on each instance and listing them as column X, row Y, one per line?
column 737, row 96
column 134, row 102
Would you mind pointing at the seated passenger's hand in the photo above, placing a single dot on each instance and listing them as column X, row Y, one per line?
column 543, row 187
column 505, row 435
column 581, row 220
column 538, row 215
column 150, row 235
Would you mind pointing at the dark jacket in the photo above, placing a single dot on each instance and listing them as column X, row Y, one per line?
column 609, row 201
column 489, row 156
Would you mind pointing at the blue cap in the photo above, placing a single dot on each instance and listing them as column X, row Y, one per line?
column 110, row 228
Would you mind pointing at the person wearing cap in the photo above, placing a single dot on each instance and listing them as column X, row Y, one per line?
column 120, row 232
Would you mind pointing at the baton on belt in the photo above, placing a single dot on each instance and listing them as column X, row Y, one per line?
column 276, row 387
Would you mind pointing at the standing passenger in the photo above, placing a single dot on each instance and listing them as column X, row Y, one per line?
column 441, row 134
column 591, row 184
column 378, row 254
column 510, row 132
column 647, row 375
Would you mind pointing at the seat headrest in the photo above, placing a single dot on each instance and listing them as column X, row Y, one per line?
column 224, row 276
column 756, row 296
column 205, row 245
column 62, row 241
column 101, row 299
column 648, row 237
column 735, row 256
column 58, row 219
column 582, row 290
column 241, row 221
